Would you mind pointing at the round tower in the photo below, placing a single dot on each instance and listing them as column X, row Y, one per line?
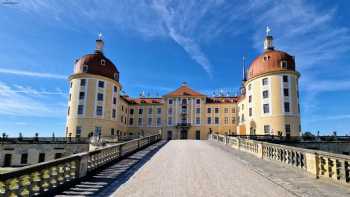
column 93, row 96
column 270, row 105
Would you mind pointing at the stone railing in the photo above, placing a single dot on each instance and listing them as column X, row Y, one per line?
column 321, row 164
column 43, row 177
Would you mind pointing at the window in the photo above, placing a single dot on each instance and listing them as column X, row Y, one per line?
column 24, row 158
column 149, row 121
column 287, row 127
column 250, row 99
column 140, row 122
column 198, row 120
column 80, row 109
column 121, row 119
column 226, row 110
column 116, row 76
column 68, row 111
column 159, row 110
column 82, row 82
column 149, row 110
column 58, row 155
column 198, row 110
column 170, row 101
column 140, row 111
column 170, row 121
column 100, row 97
column 242, row 107
column 285, row 78
column 85, row 68
column 170, row 110
column 267, row 129
column 209, row 119
column 99, row 110
column 198, row 101
column 250, row 111
column 226, row 120
column 78, row 132
column 103, row 62
column 233, row 110
column 286, row 92
column 233, row 120
column 216, row 120
column 265, row 94
column 115, row 89
column 101, row 84
column 209, row 110
column 98, row 131
column 112, row 131
column 71, row 84
column 216, row 110
column 81, row 95
column 184, row 102
column 114, row 100
column 70, row 97
column 131, row 121
column 242, row 118
column 249, row 86
column 286, row 107
column 113, row 113
column 159, row 121
column 41, row 157
column 266, row 108
column 284, row 64
column 122, row 108
column 131, row 111
column 265, row 81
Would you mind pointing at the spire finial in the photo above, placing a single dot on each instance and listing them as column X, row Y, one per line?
column 100, row 36
column 268, row 30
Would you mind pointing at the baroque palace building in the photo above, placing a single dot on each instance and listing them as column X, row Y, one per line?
column 268, row 103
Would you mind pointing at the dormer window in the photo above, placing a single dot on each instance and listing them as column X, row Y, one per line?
column 103, row 62
column 266, row 58
column 85, row 68
column 116, row 76
column 284, row 64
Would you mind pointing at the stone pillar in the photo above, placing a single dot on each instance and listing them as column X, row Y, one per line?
column 312, row 162
column 260, row 150
column 83, row 165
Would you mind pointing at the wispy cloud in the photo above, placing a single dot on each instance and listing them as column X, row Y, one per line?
column 16, row 101
column 31, row 73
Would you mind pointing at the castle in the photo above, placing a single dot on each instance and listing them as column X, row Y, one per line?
column 268, row 103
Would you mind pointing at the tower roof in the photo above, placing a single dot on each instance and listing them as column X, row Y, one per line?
column 269, row 61
column 97, row 63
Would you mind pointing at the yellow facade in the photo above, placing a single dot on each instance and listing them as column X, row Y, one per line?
column 268, row 104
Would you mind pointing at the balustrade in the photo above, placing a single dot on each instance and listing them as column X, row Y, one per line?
column 38, row 178
column 321, row 164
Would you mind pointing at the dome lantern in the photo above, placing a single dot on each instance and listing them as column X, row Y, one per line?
column 268, row 40
column 99, row 44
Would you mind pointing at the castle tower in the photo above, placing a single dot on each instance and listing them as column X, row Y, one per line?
column 270, row 105
column 93, row 96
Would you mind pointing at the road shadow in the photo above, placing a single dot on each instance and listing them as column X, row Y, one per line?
column 108, row 180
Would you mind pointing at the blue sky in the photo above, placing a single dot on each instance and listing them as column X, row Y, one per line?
column 156, row 45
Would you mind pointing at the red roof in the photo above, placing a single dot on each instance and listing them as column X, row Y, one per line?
column 222, row 99
column 270, row 61
column 143, row 100
column 184, row 90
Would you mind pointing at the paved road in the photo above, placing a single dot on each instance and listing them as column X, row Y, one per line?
column 201, row 168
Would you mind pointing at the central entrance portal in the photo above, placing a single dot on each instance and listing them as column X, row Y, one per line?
column 183, row 134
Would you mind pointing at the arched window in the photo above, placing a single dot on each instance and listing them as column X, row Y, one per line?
column 85, row 68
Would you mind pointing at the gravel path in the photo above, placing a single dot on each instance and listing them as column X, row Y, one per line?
column 198, row 168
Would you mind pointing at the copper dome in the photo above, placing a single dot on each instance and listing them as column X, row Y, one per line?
column 269, row 61
column 97, row 64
